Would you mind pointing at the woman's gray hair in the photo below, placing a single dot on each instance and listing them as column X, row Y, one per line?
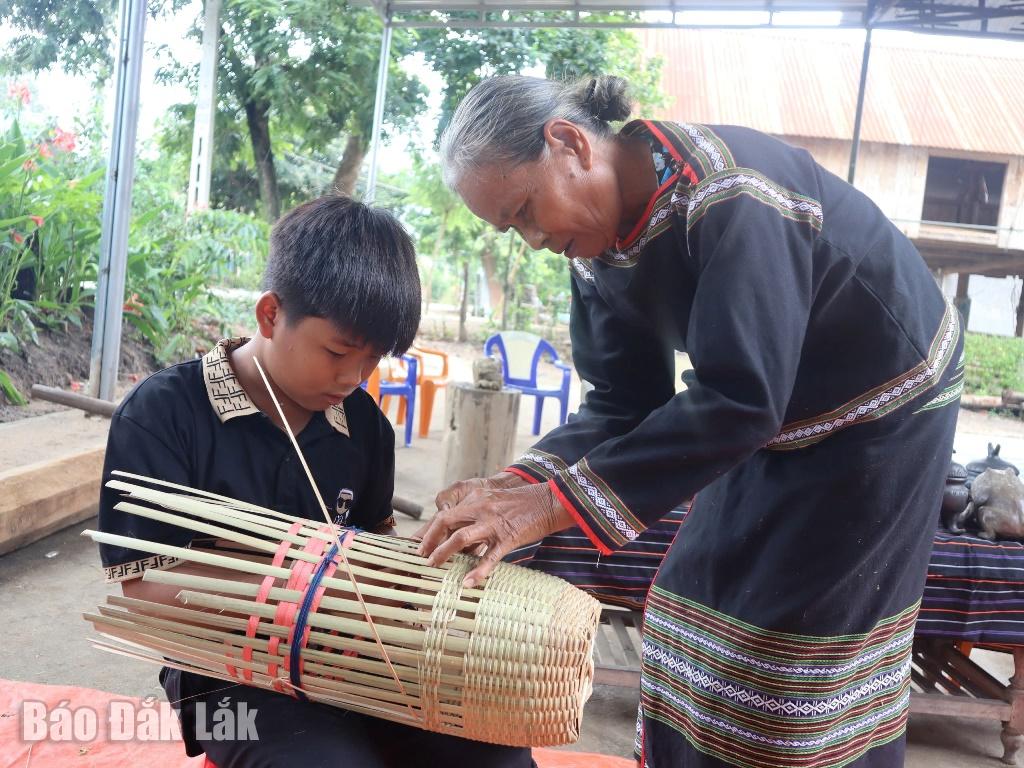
column 501, row 120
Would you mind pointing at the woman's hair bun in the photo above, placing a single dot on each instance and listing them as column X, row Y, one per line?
column 606, row 97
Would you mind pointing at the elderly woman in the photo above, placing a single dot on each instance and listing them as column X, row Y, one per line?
column 815, row 429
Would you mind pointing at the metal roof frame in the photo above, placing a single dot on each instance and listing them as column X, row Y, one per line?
column 987, row 18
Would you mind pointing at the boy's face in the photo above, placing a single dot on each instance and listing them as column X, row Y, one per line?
column 316, row 364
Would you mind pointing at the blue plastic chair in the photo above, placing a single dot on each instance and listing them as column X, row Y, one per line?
column 520, row 353
column 406, row 389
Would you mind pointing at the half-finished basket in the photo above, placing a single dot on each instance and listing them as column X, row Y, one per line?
column 360, row 623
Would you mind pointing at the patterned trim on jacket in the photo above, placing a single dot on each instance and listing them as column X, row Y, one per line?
column 538, row 465
column 598, row 511
column 729, row 185
column 882, row 400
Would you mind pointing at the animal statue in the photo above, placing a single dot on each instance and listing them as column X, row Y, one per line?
column 996, row 505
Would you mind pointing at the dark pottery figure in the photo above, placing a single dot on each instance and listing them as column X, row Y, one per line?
column 992, row 461
column 954, row 497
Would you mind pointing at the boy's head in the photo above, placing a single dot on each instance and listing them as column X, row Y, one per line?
column 341, row 291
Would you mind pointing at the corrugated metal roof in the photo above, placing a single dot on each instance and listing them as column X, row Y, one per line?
column 800, row 85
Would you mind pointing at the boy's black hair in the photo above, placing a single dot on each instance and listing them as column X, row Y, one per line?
column 346, row 262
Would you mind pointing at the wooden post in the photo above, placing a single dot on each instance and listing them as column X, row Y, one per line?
column 1013, row 729
column 1019, row 328
column 962, row 301
column 480, row 432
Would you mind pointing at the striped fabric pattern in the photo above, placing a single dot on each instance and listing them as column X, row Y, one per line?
column 596, row 508
column 759, row 699
column 621, row 578
column 974, row 591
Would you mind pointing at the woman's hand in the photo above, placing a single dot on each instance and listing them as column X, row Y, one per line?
column 499, row 519
column 460, row 489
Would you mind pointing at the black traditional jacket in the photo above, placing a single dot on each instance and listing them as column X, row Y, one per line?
column 812, row 431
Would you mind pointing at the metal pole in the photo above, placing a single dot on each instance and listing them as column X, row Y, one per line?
column 206, row 100
column 860, row 106
column 117, row 202
column 378, row 107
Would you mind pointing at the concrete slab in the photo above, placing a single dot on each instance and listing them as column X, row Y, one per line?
column 50, row 469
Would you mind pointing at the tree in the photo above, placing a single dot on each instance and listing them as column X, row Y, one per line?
column 304, row 68
column 442, row 226
column 77, row 35
column 464, row 58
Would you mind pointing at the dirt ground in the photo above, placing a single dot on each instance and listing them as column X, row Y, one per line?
column 61, row 359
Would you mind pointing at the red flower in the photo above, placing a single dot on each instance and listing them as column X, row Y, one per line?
column 64, row 140
column 76, row 386
column 20, row 92
column 37, row 220
column 133, row 305
column 17, row 237
column 45, row 151
column 29, row 165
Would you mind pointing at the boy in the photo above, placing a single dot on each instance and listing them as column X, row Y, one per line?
column 341, row 290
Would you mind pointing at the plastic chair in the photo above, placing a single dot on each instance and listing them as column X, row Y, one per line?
column 430, row 382
column 382, row 388
column 520, row 353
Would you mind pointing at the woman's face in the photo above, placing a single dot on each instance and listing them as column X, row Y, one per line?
column 567, row 201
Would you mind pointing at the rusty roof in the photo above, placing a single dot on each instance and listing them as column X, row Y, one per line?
column 792, row 84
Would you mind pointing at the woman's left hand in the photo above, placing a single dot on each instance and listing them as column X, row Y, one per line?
column 499, row 519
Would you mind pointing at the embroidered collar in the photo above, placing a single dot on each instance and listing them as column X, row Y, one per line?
column 692, row 152
column 651, row 130
column 228, row 399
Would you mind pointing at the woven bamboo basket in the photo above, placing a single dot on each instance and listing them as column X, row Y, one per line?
column 358, row 621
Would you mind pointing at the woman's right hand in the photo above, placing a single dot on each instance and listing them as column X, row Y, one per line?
column 460, row 489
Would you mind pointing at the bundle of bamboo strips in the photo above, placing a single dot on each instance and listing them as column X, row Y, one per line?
column 366, row 626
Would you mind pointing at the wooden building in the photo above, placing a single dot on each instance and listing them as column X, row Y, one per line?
column 942, row 139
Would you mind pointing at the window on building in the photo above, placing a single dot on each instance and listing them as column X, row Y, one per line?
column 963, row 191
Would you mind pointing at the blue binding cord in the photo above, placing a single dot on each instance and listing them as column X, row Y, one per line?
column 303, row 616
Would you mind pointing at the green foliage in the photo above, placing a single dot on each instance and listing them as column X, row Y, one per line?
column 463, row 59
column 77, row 35
column 309, row 68
column 172, row 262
column 10, row 391
column 49, row 200
column 993, row 363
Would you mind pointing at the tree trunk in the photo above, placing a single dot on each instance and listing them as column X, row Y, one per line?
column 347, row 173
column 463, row 310
column 489, row 261
column 428, row 278
column 259, row 133
column 511, row 273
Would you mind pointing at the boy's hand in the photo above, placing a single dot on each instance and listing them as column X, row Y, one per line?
column 495, row 520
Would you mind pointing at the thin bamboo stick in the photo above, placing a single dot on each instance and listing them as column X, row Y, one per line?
column 328, row 601
column 352, row 626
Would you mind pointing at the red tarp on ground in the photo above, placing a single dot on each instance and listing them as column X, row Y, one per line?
column 99, row 751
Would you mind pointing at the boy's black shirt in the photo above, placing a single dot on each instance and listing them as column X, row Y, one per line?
column 193, row 424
